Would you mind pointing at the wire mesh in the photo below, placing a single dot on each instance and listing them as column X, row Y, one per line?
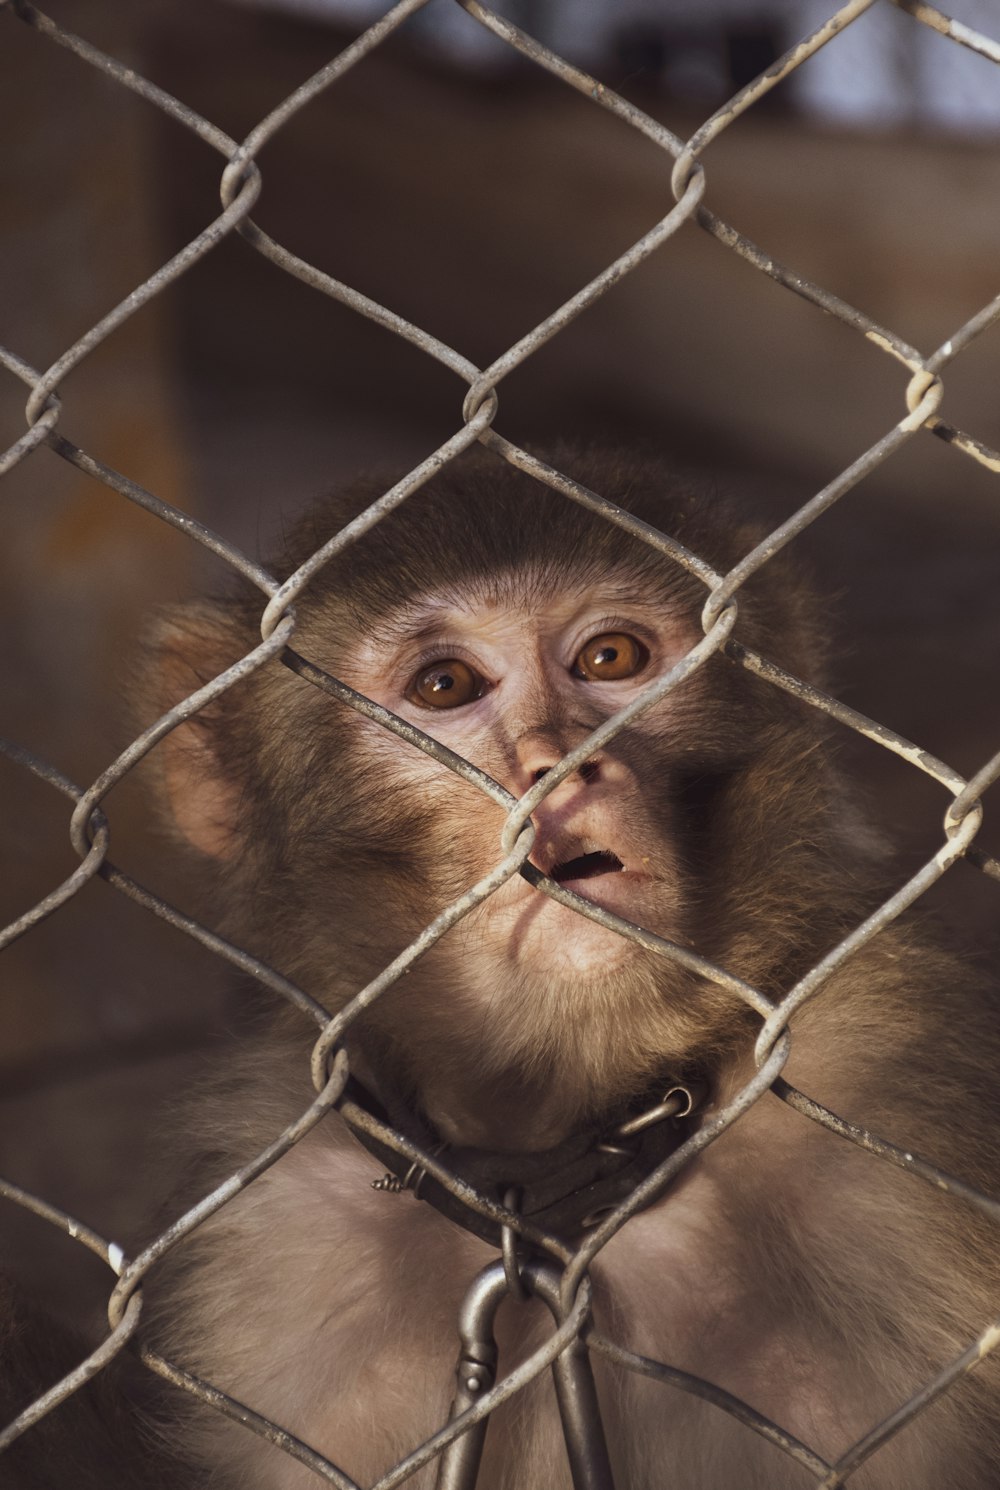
column 240, row 184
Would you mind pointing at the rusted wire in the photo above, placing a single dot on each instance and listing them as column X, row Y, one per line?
column 687, row 170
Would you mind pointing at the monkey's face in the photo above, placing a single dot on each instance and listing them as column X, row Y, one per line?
column 512, row 682
column 339, row 841
column 511, row 678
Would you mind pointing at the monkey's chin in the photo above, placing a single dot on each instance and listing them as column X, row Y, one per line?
column 546, row 934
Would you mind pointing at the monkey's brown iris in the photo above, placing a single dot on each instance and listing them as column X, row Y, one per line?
column 610, row 656
column 446, row 685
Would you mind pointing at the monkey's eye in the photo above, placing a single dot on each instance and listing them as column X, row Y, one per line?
column 447, row 684
column 610, row 656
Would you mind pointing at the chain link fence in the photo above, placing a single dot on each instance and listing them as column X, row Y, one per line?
column 922, row 389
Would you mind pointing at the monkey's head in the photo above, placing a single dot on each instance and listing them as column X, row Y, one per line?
column 508, row 623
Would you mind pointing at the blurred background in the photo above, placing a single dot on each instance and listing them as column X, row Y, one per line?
column 473, row 194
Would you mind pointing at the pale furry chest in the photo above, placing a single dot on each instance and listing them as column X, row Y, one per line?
column 352, row 1338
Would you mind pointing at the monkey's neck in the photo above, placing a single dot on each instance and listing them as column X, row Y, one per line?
column 512, row 1111
column 521, row 1067
column 508, row 1111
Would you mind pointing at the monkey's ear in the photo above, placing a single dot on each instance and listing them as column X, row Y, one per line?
column 199, row 783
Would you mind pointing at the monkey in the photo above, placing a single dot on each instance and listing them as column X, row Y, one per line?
column 782, row 1267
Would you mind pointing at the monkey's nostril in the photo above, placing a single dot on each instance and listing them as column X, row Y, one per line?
column 586, row 772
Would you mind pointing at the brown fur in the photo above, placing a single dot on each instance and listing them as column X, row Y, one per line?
column 784, row 1265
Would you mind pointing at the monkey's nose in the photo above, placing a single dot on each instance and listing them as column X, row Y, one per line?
column 587, row 771
column 538, row 752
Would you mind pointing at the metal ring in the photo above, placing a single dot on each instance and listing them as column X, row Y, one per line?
column 679, row 1102
column 508, row 1247
column 416, row 1174
column 414, row 1178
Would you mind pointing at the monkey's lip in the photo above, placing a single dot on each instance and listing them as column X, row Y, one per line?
column 600, row 877
column 574, row 862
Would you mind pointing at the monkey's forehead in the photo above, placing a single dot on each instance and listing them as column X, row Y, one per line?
column 505, row 535
column 524, row 594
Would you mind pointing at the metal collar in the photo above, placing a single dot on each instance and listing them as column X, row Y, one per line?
column 564, row 1190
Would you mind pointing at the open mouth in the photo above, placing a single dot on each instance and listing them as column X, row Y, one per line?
column 587, row 866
